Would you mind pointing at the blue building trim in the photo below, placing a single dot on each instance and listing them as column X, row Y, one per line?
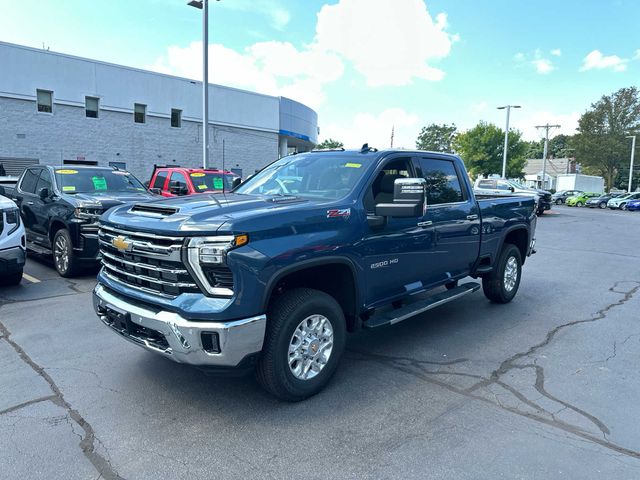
column 295, row 135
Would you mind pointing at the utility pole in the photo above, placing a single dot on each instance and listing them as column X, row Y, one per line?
column 393, row 127
column 546, row 127
column 506, row 138
column 633, row 151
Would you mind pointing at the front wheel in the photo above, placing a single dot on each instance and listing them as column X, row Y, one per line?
column 559, row 201
column 64, row 258
column 579, row 204
column 305, row 338
column 602, row 205
column 502, row 284
column 623, row 206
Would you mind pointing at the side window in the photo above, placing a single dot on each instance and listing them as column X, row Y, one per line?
column 28, row 183
column 381, row 190
column 180, row 178
column 486, row 184
column 159, row 180
column 503, row 186
column 443, row 184
column 44, row 181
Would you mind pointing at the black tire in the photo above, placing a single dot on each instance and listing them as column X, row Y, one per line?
column 559, row 201
column 602, row 205
column 451, row 285
column 284, row 316
column 623, row 206
column 493, row 285
column 11, row 279
column 579, row 204
column 61, row 246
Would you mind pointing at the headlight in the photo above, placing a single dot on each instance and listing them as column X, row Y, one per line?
column 12, row 217
column 89, row 211
column 204, row 252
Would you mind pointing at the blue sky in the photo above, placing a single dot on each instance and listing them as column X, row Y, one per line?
column 367, row 65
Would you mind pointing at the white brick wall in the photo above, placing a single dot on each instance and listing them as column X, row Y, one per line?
column 68, row 133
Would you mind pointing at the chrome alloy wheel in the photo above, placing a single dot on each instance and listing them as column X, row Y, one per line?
column 310, row 347
column 61, row 254
column 510, row 274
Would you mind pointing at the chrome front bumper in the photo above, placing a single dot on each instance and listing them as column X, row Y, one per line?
column 176, row 337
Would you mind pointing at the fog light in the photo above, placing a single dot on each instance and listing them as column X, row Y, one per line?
column 210, row 342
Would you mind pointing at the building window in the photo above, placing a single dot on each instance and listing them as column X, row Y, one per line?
column 139, row 113
column 45, row 101
column 176, row 118
column 91, row 107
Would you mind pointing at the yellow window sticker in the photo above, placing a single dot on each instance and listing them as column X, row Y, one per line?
column 202, row 187
column 353, row 165
column 197, row 174
column 68, row 188
column 67, row 172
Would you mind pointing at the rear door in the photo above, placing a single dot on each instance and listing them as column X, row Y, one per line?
column 454, row 215
column 25, row 195
column 41, row 207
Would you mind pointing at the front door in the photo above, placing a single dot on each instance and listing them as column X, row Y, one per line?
column 393, row 254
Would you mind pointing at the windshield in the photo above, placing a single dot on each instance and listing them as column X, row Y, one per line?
column 206, row 181
column 315, row 175
column 518, row 186
column 96, row 180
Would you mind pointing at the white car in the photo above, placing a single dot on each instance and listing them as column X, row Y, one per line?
column 621, row 202
column 12, row 243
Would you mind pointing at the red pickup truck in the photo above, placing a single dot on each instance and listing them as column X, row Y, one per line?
column 177, row 181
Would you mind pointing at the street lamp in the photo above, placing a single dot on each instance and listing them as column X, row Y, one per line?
column 633, row 151
column 506, row 139
column 204, row 6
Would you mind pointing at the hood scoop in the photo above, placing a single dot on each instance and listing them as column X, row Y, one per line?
column 153, row 210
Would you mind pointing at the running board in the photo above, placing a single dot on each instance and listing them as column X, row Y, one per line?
column 35, row 248
column 420, row 306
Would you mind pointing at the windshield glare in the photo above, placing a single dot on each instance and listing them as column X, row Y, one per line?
column 315, row 175
column 96, row 180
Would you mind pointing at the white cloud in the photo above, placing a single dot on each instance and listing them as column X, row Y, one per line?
column 479, row 107
column 279, row 16
column 526, row 122
column 595, row 60
column 358, row 31
column 542, row 65
column 375, row 129
column 556, row 52
column 274, row 68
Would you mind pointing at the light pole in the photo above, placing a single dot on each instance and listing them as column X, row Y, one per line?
column 633, row 151
column 506, row 139
column 204, row 6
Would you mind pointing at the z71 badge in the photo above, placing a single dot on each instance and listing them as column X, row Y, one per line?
column 339, row 212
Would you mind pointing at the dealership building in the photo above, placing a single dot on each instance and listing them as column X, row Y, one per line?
column 60, row 109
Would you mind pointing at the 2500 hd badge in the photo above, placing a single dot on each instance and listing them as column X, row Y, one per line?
column 384, row 263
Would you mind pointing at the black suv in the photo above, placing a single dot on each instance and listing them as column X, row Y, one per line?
column 60, row 207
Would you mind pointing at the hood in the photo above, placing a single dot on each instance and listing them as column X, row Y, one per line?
column 202, row 214
column 108, row 200
column 6, row 203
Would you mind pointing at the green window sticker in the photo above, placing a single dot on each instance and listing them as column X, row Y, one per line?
column 217, row 183
column 99, row 183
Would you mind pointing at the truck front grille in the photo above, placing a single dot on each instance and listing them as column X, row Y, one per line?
column 144, row 261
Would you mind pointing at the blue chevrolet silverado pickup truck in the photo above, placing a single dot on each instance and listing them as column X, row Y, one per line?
column 272, row 276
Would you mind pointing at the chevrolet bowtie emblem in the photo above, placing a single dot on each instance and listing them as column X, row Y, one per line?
column 122, row 244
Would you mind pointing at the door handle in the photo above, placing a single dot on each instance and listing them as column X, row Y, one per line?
column 428, row 223
column 29, row 203
column 472, row 217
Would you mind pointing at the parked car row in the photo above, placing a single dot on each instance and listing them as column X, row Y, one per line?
column 613, row 201
column 501, row 186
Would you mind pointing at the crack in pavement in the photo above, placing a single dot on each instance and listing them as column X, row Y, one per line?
column 103, row 466
column 27, row 403
column 422, row 370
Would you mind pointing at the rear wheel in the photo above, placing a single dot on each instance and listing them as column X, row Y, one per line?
column 602, row 205
column 11, row 278
column 502, row 284
column 64, row 258
column 305, row 338
column 559, row 201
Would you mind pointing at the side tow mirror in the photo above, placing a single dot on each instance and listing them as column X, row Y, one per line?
column 156, row 191
column 178, row 189
column 44, row 193
column 511, row 189
column 409, row 199
column 236, row 183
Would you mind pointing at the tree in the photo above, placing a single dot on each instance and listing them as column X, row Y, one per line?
column 481, row 150
column 601, row 146
column 329, row 144
column 558, row 147
column 437, row 138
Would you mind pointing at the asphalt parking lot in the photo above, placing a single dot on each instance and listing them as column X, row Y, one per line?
column 544, row 387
